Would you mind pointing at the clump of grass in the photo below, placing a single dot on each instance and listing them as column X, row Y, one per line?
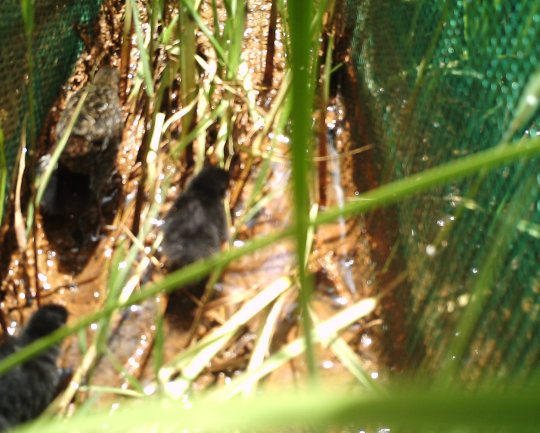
column 419, row 406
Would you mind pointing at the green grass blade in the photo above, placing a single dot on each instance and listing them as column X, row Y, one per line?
column 300, row 16
column 110, row 390
column 215, row 43
column 526, row 107
column 27, row 9
column 145, row 61
column 171, row 282
column 3, row 175
column 423, row 181
column 188, row 70
column 234, row 31
column 44, row 179
column 403, row 409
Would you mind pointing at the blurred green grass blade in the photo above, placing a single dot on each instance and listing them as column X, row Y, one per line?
column 199, row 129
column 351, row 361
column 215, row 43
column 215, row 18
column 82, row 341
column 117, row 276
column 171, row 282
column 110, row 390
column 59, row 148
column 421, row 69
column 159, row 345
column 199, row 144
column 530, row 228
column 234, row 32
column 256, row 200
column 3, row 174
column 188, row 69
column 224, row 135
column 28, row 15
column 145, row 61
column 122, row 265
column 253, row 210
column 117, row 258
column 124, row 373
column 263, row 341
column 407, row 409
column 526, row 107
column 300, row 16
column 168, row 31
column 27, row 9
column 449, row 172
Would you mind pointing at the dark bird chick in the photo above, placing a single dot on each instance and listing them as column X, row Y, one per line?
column 196, row 225
column 95, row 138
column 26, row 390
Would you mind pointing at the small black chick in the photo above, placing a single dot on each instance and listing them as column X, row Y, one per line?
column 26, row 390
column 196, row 225
column 94, row 141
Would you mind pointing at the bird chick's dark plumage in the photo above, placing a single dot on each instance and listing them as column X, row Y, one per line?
column 26, row 390
column 95, row 138
column 196, row 224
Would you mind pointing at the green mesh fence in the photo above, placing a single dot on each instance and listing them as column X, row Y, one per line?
column 56, row 46
column 443, row 79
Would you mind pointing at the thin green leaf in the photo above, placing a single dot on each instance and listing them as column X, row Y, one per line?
column 145, row 61
column 300, row 16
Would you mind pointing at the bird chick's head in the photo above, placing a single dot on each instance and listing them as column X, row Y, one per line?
column 107, row 76
column 45, row 321
column 211, row 180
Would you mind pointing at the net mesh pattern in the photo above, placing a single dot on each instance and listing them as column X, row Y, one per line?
column 442, row 80
column 55, row 48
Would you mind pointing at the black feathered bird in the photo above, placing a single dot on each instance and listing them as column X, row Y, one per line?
column 93, row 143
column 196, row 225
column 26, row 390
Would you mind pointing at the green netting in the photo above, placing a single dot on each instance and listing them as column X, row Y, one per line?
column 56, row 46
column 442, row 80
